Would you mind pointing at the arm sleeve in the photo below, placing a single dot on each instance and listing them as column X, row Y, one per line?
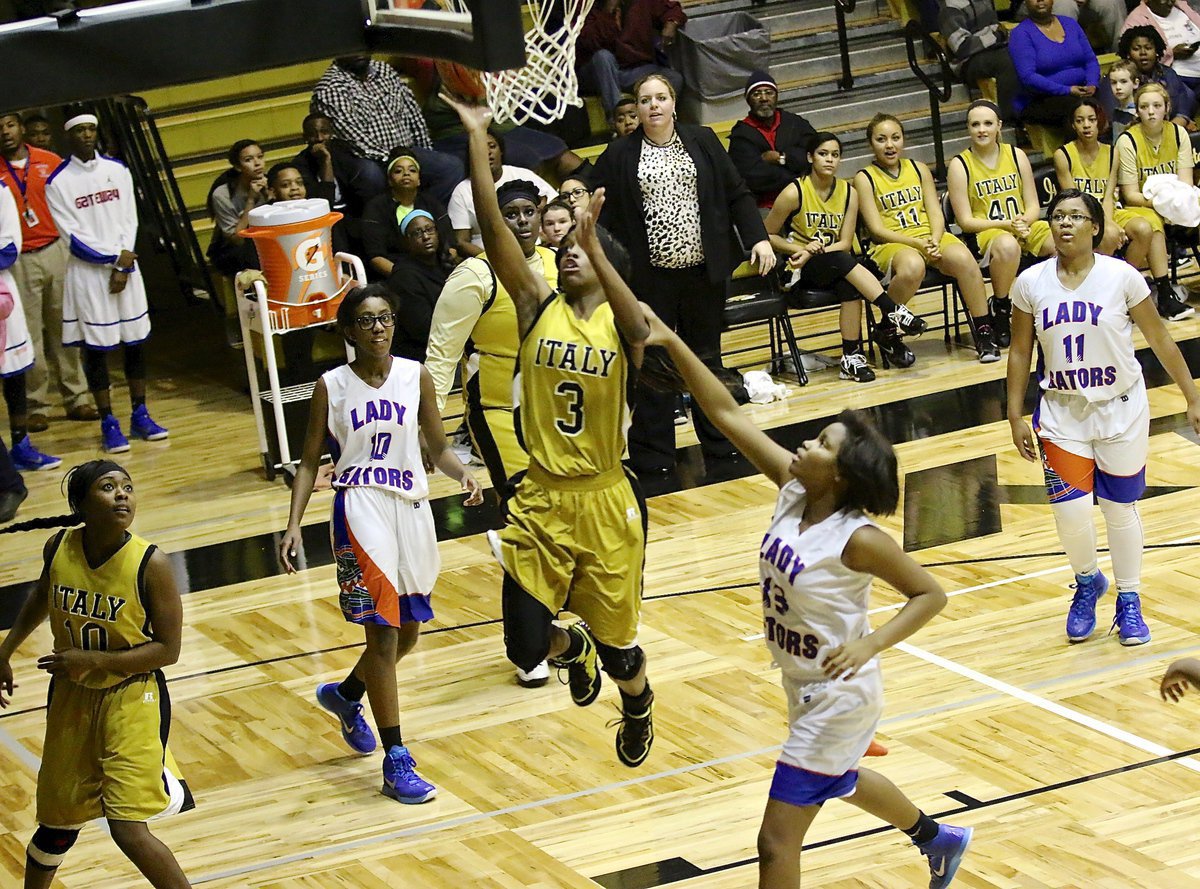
column 73, row 227
column 410, row 112
column 374, row 230
column 129, row 216
column 1020, row 294
column 595, row 33
column 10, row 229
column 955, row 27
column 454, row 317
column 224, row 214
column 1136, row 288
column 459, row 209
column 670, row 11
column 1183, row 100
column 1020, row 47
column 1184, row 160
column 746, row 156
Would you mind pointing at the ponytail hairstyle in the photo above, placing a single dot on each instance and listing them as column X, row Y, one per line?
column 76, row 483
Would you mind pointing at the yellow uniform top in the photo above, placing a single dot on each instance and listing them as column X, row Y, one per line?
column 1089, row 178
column 497, row 341
column 900, row 198
column 101, row 608
column 995, row 193
column 573, row 387
column 820, row 216
column 1140, row 159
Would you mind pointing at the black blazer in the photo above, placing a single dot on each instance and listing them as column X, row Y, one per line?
column 747, row 144
column 728, row 209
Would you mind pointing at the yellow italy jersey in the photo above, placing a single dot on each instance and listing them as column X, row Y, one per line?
column 1089, row 178
column 996, row 192
column 1151, row 160
column 900, row 198
column 102, row 608
column 819, row 216
column 573, row 388
column 497, row 341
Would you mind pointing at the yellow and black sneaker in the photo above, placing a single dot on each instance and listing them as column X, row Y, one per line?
column 583, row 671
column 635, row 732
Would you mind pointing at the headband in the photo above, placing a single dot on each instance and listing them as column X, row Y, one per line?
column 396, row 160
column 412, row 217
column 516, row 189
column 79, row 119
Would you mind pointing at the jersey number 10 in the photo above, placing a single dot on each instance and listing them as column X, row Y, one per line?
column 92, row 636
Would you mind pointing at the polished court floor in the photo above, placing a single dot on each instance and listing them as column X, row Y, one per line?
column 1063, row 758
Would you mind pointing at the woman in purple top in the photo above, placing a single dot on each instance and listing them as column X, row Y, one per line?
column 1055, row 64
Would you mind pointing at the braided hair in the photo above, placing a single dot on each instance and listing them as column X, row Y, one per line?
column 77, row 482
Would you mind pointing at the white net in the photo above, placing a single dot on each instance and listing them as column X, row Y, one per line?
column 547, row 85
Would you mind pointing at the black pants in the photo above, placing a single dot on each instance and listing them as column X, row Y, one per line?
column 10, row 479
column 687, row 301
column 995, row 62
column 828, row 271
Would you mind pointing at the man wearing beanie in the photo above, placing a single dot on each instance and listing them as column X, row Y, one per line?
column 769, row 146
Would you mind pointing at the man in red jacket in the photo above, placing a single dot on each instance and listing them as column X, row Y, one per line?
column 617, row 46
column 769, row 146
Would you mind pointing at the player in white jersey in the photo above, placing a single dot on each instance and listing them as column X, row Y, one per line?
column 1092, row 418
column 18, row 354
column 816, row 564
column 373, row 411
column 104, row 298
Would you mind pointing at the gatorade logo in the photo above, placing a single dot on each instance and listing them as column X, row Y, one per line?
column 308, row 255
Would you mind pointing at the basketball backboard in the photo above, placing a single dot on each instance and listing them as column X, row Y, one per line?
column 490, row 36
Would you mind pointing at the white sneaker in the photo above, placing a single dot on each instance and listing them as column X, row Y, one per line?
column 535, row 678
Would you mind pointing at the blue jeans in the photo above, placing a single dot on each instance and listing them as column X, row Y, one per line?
column 603, row 75
column 440, row 172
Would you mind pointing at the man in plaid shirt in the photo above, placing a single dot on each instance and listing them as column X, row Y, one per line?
column 373, row 110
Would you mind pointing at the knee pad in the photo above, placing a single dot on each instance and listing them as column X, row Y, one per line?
column 621, row 664
column 1119, row 515
column 526, row 626
column 50, row 846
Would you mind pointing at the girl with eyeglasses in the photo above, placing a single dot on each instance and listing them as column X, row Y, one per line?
column 1154, row 145
column 1092, row 419
column 576, row 193
column 374, row 409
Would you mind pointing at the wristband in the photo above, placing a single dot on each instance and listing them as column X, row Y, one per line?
column 127, row 271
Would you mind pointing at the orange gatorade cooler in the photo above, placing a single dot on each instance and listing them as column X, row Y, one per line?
column 295, row 251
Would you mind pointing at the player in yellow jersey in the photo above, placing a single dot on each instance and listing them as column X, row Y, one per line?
column 813, row 222
column 996, row 205
column 116, row 619
column 899, row 205
column 1151, row 146
column 576, row 525
column 1086, row 163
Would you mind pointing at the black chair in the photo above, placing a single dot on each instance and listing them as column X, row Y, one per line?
column 758, row 299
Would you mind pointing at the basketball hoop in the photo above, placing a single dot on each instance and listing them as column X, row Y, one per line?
column 547, row 84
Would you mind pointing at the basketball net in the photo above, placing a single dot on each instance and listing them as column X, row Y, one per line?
column 547, row 84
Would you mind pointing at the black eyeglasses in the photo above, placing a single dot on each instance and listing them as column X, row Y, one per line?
column 367, row 322
column 578, row 192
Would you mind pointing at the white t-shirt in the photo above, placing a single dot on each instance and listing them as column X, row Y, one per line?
column 462, row 204
column 1085, row 335
column 1181, row 31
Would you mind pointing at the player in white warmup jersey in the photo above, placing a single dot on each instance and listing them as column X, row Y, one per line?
column 104, row 298
column 816, row 563
column 371, row 413
column 1092, row 419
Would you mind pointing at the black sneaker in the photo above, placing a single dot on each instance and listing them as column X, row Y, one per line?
column 1001, row 321
column 907, row 323
column 583, row 673
column 1173, row 308
column 892, row 347
column 985, row 344
column 635, row 735
column 854, row 367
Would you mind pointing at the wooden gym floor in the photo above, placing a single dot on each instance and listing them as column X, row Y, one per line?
column 1062, row 757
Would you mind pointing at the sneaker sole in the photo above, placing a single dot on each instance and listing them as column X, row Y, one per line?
column 1074, row 640
column 1135, row 640
column 854, row 379
column 36, row 467
column 1181, row 316
column 119, row 449
column 988, row 359
column 155, row 437
column 407, row 800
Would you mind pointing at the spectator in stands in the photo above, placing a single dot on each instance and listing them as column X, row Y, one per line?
column 625, row 116
column 979, row 48
column 39, row 275
column 286, row 182
column 623, row 41
column 418, row 275
column 1055, row 64
column 373, row 110
column 38, row 132
column 1100, row 19
column 769, row 146
column 1178, row 24
column 383, row 242
column 462, row 205
column 1144, row 46
column 234, row 194
column 330, row 159
column 576, row 193
column 1116, row 91
column 557, row 219
column 677, row 202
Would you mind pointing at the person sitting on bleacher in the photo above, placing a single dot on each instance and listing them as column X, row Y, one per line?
column 769, row 146
column 1144, row 46
column 286, row 182
column 624, row 116
column 327, row 159
column 383, row 241
column 1179, row 27
column 233, row 195
column 900, row 208
column 979, row 46
column 1154, row 145
column 417, row 278
column 996, row 205
column 1055, row 64
column 1100, row 19
column 1086, row 163
column 813, row 222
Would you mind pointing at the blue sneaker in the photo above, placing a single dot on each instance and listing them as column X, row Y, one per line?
column 401, row 781
column 1131, row 629
column 355, row 730
column 27, row 458
column 143, row 427
column 945, row 853
column 1081, row 619
column 111, row 436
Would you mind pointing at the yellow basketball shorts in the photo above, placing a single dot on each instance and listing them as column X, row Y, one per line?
column 1123, row 215
column 495, row 438
column 883, row 254
column 106, row 754
column 579, row 544
column 1039, row 232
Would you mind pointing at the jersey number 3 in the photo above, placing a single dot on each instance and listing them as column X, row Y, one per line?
column 573, row 393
